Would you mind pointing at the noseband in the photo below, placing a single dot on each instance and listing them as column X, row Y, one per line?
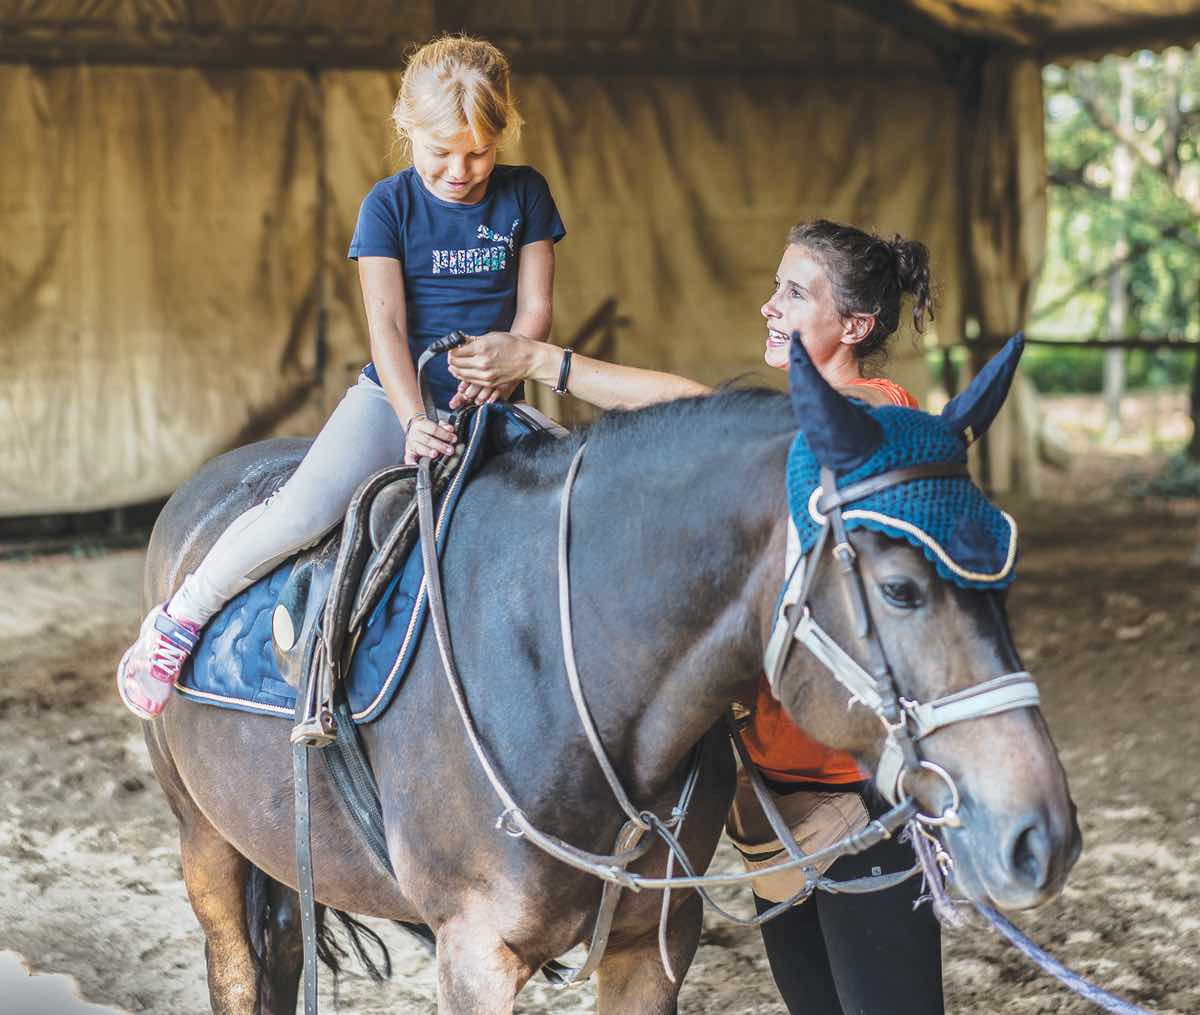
column 906, row 721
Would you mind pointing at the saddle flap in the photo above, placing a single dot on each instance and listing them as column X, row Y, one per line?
column 390, row 506
column 355, row 549
column 296, row 620
column 393, row 525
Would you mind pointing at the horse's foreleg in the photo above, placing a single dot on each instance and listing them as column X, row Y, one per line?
column 478, row 974
column 631, row 978
column 215, row 875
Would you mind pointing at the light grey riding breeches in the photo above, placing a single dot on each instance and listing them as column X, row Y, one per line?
column 362, row 436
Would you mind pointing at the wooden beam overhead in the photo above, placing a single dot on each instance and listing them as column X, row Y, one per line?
column 911, row 23
column 624, row 36
column 1143, row 33
column 1021, row 23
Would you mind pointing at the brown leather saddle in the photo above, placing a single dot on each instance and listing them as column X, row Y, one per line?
column 332, row 592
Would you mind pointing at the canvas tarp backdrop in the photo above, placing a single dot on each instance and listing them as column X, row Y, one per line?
column 173, row 238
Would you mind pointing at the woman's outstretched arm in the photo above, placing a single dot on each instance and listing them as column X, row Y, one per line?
column 500, row 358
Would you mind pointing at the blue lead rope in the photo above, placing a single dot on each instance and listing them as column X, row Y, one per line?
column 1051, row 965
column 937, row 866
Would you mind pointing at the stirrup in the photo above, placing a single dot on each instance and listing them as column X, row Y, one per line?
column 315, row 731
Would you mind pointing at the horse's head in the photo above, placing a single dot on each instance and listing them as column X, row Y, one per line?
column 900, row 594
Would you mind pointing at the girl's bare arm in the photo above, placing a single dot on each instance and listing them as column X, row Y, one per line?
column 382, row 282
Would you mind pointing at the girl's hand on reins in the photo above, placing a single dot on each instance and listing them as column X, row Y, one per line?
column 424, row 438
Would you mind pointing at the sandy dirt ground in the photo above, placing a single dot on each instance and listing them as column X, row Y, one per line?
column 1107, row 614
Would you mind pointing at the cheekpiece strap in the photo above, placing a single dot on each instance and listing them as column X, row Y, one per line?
column 793, row 590
column 861, row 685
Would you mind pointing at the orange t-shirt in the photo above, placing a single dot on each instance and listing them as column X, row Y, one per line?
column 773, row 741
column 896, row 394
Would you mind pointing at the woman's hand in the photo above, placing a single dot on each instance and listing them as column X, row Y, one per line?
column 423, row 438
column 494, row 361
column 479, row 394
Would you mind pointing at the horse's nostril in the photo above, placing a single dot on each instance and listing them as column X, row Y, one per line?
column 1031, row 854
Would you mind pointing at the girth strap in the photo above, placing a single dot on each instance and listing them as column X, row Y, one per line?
column 357, row 789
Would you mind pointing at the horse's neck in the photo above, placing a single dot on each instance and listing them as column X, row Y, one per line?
column 695, row 557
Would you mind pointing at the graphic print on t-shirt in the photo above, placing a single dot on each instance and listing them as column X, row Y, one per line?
column 484, row 233
column 474, row 260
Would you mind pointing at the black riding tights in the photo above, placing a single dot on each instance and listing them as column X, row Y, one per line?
column 859, row 954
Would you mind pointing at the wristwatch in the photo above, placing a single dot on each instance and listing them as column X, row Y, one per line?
column 564, row 372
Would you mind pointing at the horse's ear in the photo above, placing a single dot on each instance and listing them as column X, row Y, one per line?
column 841, row 434
column 971, row 412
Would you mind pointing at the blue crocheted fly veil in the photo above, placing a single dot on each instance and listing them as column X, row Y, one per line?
column 968, row 540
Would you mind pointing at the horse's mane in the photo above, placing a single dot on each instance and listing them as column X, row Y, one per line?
column 668, row 432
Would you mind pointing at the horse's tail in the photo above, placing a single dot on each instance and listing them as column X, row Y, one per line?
column 330, row 950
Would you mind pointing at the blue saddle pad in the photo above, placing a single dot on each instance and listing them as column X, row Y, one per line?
column 234, row 664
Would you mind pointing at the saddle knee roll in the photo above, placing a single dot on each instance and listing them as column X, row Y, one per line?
column 296, row 619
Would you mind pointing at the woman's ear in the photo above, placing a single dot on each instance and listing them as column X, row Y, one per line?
column 856, row 328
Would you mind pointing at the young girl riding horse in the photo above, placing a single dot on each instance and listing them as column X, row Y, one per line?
column 453, row 242
column 840, row 289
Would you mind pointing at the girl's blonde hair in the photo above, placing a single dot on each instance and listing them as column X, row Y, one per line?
column 457, row 82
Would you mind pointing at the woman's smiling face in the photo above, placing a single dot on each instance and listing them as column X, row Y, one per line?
column 803, row 302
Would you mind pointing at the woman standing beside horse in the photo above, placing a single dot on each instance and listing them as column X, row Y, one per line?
column 840, row 290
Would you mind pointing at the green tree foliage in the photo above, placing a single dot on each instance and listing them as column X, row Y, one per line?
column 1073, row 370
column 1160, row 221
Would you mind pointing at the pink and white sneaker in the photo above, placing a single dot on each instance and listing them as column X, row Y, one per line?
column 150, row 667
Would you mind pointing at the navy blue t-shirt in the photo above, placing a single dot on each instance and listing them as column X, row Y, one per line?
column 459, row 260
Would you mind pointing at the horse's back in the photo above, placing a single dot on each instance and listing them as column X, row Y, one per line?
column 201, row 509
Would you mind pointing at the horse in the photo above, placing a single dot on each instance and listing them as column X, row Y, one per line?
column 679, row 531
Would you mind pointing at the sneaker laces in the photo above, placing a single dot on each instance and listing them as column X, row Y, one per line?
column 167, row 655
column 167, row 659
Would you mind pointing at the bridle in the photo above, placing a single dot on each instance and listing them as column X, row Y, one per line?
column 906, row 721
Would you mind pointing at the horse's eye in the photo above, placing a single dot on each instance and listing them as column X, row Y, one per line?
column 901, row 593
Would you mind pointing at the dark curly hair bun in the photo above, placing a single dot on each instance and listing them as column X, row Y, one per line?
column 870, row 275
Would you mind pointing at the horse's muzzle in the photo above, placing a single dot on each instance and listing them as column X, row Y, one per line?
column 1019, row 865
